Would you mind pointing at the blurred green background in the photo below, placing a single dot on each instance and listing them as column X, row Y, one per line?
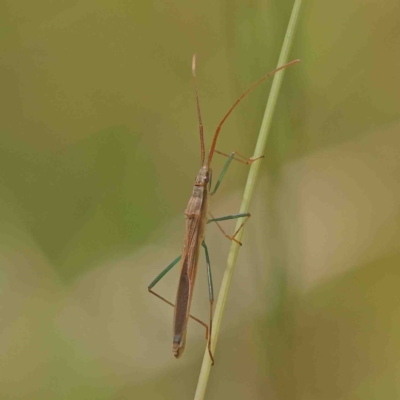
column 99, row 149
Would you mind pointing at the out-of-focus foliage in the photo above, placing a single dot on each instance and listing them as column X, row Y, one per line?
column 98, row 152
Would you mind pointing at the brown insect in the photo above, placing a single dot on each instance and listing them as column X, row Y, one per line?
column 196, row 214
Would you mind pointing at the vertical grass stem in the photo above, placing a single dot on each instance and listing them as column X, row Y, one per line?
column 247, row 196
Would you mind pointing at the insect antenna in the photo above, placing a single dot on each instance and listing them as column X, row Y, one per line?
column 214, row 142
column 202, row 149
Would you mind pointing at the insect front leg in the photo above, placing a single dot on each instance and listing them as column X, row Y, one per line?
column 232, row 156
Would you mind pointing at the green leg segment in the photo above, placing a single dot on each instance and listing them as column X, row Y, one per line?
column 209, row 276
column 234, row 216
column 164, row 272
column 223, row 172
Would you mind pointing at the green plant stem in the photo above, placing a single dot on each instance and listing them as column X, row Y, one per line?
column 247, row 196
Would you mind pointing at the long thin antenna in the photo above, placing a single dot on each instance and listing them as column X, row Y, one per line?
column 202, row 149
column 214, row 142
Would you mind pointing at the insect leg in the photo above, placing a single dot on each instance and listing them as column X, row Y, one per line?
column 228, row 217
column 159, row 277
column 228, row 162
column 242, row 159
column 211, row 297
column 164, row 272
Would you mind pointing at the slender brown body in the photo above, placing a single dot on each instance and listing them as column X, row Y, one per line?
column 196, row 218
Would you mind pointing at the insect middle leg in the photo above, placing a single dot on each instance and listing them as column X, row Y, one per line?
column 228, row 217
